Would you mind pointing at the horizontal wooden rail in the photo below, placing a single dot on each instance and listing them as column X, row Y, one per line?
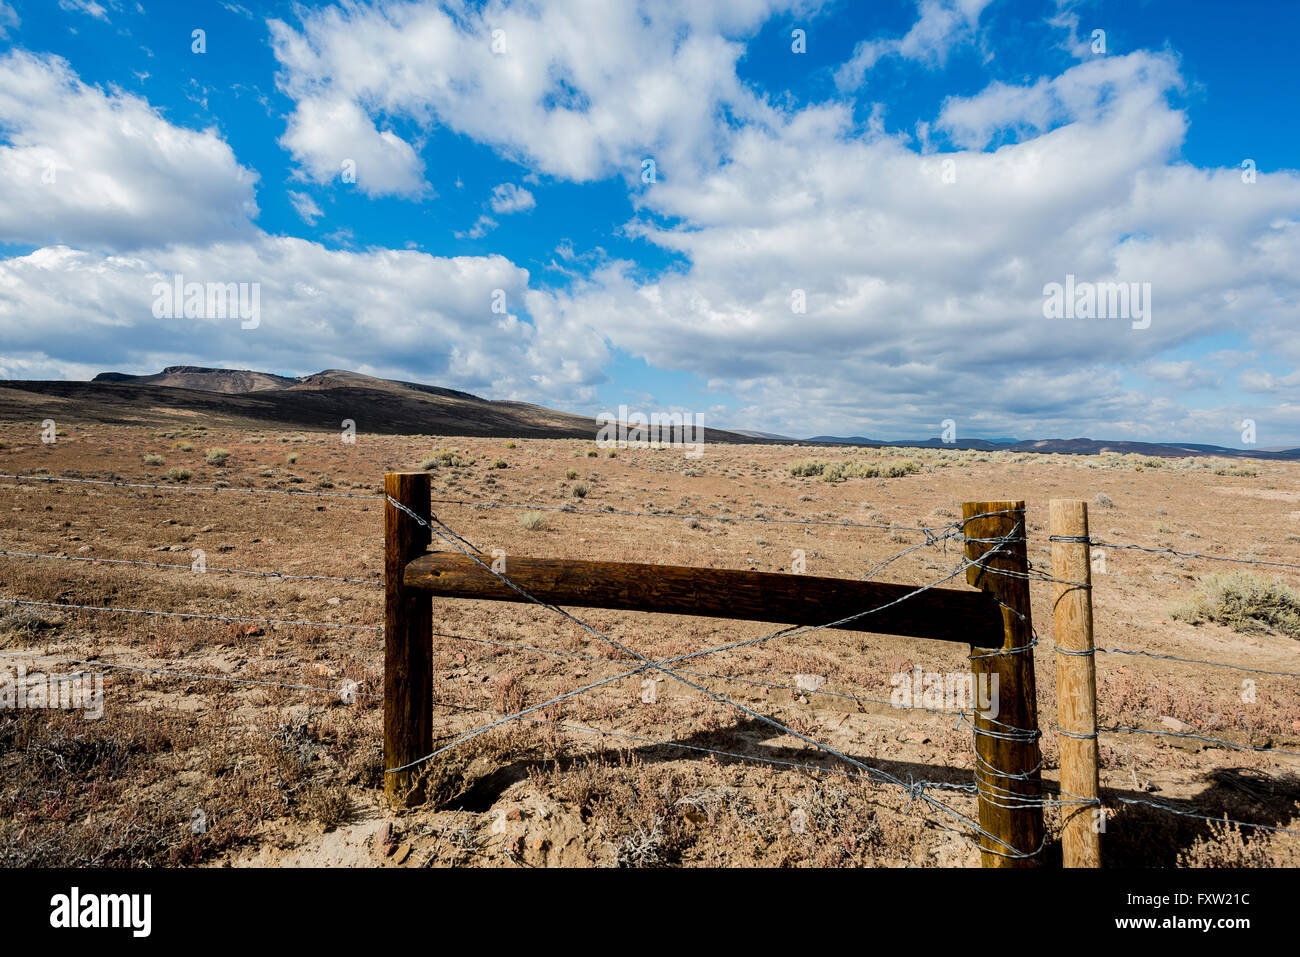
column 945, row 614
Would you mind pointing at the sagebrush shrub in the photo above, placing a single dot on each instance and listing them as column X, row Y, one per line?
column 1244, row 602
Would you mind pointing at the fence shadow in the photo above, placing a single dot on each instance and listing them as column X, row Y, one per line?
column 1136, row 836
column 745, row 740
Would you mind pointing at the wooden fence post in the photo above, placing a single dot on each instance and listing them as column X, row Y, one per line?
column 1076, row 684
column 1008, row 758
column 408, row 639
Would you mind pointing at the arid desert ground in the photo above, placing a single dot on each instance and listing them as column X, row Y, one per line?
column 182, row 769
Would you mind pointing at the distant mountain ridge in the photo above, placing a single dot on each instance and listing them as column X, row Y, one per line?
column 239, row 381
column 322, row 400
column 225, row 381
column 391, row 406
column 1081, row 446
column 754, row 434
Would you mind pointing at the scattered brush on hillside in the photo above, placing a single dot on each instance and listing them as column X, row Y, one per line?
column 808, row 467
column 447, row 459
column 841, row 469
column 1141, row 463
column 1244, row 602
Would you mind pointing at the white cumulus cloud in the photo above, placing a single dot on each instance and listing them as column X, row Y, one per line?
column 90, row 168
column 940, row 26
column 509, row 198
column 574, row 90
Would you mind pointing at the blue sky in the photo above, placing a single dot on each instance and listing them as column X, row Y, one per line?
column 917, row 175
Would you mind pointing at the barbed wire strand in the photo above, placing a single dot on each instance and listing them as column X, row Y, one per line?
column 1097, row 543
column 206, row 568
column 1199, row 737
column 1196, row 661
column 627, row 513
column 476, row 504
column 1217, row 820
column 186, row 614
column 187, row 674
column 698, row 674
column 195, row 488
column 942, row 785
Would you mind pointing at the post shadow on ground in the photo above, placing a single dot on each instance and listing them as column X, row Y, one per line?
column 1136, row 835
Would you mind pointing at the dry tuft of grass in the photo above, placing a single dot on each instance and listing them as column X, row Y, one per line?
column 26, row 623
column 1230, row 846
column 1244, row 602
column 328, row 804
column 642, row 848
column 532, row 521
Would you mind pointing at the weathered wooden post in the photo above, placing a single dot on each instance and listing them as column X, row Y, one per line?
column 408, row 638
column 1076, row 684
column 1007, row 753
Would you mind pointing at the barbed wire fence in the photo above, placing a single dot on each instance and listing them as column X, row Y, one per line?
column 1093, row 541
column 915, row 790
column 634, row 663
